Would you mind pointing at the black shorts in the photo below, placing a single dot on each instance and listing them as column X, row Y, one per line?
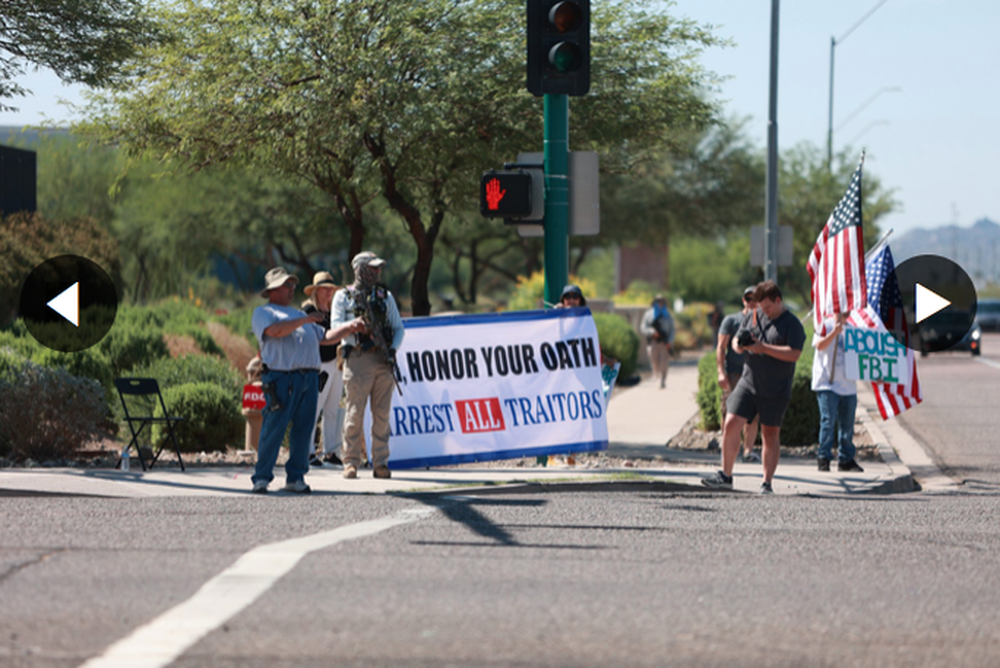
column 743, row 402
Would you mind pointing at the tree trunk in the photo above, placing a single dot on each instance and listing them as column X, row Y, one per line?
column 424, row 237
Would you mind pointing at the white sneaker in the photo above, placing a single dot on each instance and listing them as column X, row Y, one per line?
column 260, row 487
column 299, row 487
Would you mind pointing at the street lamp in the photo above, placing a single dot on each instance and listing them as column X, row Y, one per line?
column 833, row 45
column 869, row 127
column 853, row 115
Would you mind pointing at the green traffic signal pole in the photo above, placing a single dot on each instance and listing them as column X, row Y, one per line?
column 556, row 196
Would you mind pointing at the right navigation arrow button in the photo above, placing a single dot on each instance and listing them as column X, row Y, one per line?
column 928, row 302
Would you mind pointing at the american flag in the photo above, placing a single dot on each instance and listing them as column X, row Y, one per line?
column 836, row 265
column 885, row 300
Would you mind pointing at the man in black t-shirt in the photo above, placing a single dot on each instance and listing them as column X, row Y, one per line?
column 766, row 385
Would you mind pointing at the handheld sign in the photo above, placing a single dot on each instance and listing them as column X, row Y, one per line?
column 874, row 356
column 253, row 397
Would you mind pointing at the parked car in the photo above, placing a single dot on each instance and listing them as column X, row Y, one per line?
column 949, row 331
column 988, row 314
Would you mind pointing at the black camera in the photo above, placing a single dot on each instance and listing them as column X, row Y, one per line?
column 744, row 338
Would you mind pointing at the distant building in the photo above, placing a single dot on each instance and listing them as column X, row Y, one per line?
column 642, row 263
column 18, row 179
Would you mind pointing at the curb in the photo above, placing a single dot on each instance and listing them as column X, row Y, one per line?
column 902, row 481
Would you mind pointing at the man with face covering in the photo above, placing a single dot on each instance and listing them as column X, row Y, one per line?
column 367, row 371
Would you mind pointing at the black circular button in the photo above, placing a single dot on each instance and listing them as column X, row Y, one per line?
column 939, row 300
column 68, row 303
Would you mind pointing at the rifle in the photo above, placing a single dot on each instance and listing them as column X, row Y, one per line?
column 364, row 308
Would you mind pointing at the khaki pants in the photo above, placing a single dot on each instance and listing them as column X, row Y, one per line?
column 659, row 357
column 367, row 375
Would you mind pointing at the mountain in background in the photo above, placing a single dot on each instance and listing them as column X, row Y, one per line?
column 18, row 137
column 975, row 248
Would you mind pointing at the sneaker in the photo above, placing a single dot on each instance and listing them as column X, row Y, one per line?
column 332, row 459
column 750, row 458
column 765, row 488
column 822, row 464
column 259, row 487
column 315, row 461
column 298, row 487
column 350, row 471
column 718, row 481
column 850, row 465
column 382, row 472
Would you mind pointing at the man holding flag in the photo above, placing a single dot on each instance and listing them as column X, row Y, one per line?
column 843, row 284
column 837, row 269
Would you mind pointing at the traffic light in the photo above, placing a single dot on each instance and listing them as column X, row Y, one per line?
column 505, row 194
column 559, row 47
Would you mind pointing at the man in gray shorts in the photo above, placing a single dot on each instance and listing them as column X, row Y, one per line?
column 766, row 385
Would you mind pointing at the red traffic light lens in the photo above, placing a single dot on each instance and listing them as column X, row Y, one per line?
column 566, row 16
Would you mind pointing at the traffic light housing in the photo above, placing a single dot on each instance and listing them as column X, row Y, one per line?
column 559, row 47
column 505, row 194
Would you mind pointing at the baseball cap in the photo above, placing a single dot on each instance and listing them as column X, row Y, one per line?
column 366, row 258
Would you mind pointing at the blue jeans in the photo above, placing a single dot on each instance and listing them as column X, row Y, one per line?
column 296, row 394
column 836, row 417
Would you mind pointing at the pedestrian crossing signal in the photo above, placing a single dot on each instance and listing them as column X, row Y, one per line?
column 505, row 194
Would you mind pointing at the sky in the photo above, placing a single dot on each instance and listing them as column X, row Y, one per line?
column 915, row 85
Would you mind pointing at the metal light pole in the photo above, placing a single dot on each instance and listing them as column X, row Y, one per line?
column 556, row 196
column 771, row 228
column 833, row 45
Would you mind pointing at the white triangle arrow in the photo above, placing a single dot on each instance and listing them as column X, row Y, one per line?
column 67, row 304
column 928, row 302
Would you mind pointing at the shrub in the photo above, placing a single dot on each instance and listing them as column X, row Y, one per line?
column 638, row 293
column 131, row 343
column 530, row 291
column 618, row 340
column 88, row 363
column 239, row 322
column 171, row 372
column 709, row 395
column 46, row 413
column 212, row 418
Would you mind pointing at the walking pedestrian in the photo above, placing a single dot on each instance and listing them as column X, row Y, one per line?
column 289, row 350
column 658, row 328
column 369, row 357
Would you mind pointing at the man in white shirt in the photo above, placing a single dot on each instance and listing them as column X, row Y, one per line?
column 837, row 397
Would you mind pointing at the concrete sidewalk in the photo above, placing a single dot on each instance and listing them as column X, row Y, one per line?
column 641, row 420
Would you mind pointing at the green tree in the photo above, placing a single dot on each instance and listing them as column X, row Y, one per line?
column 409, row 101
column 82, row 41
column 808, row 192
column 75, row 178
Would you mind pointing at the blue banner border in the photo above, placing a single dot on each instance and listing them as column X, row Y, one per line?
column 473, row 457
column 492, row 318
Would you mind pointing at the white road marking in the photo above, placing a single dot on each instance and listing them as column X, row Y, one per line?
column 168, row 636
column 988, row 362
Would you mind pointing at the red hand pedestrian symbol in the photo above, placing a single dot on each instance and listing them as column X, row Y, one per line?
column 494, row 194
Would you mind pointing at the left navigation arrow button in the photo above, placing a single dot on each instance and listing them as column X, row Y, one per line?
column 67, row 304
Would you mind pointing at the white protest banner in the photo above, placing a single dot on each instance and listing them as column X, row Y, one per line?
column 498, row 386
column 874, row 356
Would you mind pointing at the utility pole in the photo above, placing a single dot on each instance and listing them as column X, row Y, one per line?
column 771, row 227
